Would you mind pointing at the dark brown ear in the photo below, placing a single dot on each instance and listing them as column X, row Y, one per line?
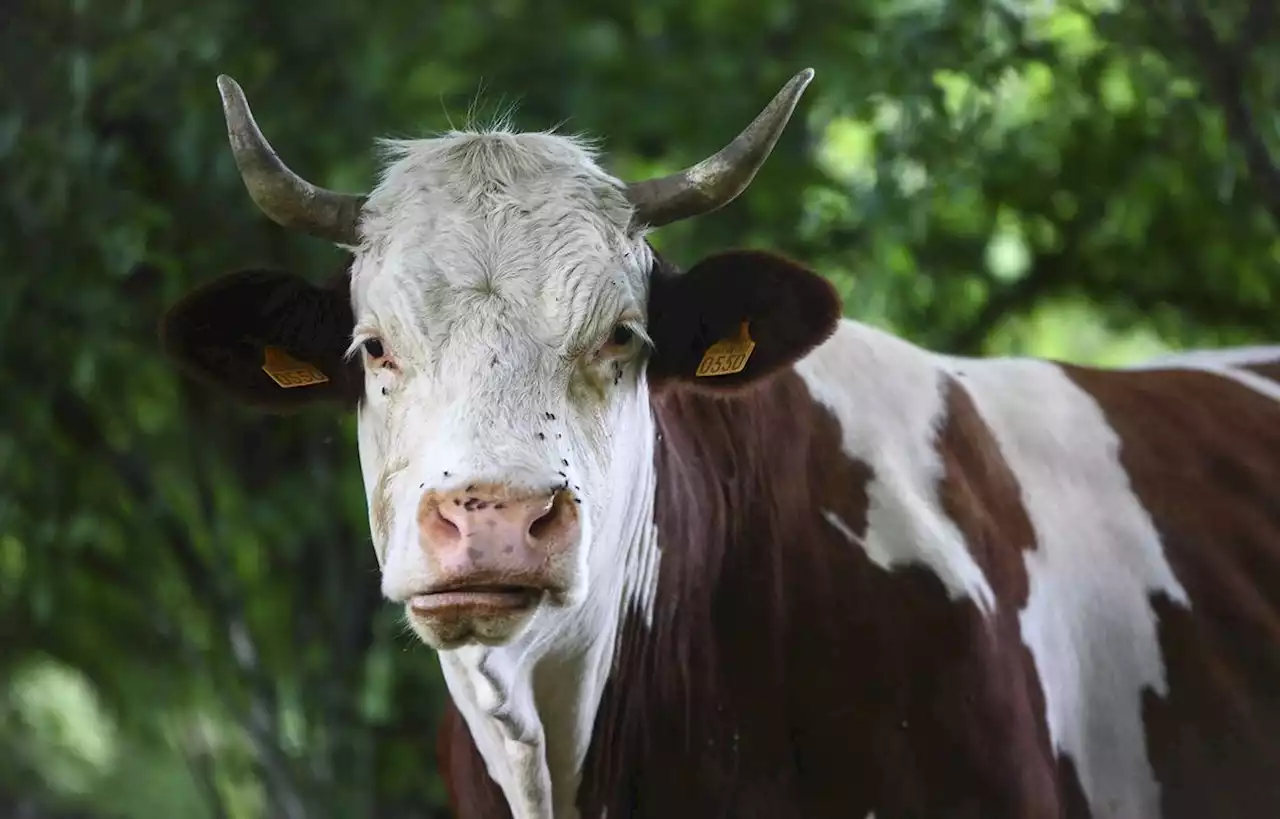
column 787, row 310
column 223, row 332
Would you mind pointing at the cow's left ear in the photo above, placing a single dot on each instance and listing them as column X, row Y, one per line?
column 269, row 339
column 735, row 318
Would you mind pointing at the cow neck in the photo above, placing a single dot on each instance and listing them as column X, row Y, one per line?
column 531, row 704
column 733, row 485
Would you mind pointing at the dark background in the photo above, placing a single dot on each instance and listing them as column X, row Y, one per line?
column 189, row 614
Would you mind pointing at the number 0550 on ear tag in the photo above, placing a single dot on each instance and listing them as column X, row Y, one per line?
column 727, row 356
column 288, row 371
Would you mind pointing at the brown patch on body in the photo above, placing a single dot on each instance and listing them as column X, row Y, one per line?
column 1203, row 455
column 471, row 791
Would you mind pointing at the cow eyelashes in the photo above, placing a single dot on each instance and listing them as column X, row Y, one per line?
column 621, row 336
column 618, row 342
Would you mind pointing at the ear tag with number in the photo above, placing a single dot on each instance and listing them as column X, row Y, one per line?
column 727, row 356
column 288, row 371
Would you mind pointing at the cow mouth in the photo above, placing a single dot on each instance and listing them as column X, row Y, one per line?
column 480, row 600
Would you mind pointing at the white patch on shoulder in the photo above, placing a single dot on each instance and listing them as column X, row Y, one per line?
column 887, row 395
column 1088, row 621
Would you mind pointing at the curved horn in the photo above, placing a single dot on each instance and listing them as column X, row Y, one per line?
column 285, row 197
column 717, row 180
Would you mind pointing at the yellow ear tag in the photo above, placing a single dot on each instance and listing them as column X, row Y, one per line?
column 288, row 371
column 727, row 356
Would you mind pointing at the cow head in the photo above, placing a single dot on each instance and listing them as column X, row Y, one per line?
column 499, row 331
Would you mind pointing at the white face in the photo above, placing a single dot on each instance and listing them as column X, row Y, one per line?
column 494, row 273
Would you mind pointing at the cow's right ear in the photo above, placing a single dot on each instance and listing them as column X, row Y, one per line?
column 735, row 318
column 268, row 339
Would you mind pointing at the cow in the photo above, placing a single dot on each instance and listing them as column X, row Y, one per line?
column 689, row 543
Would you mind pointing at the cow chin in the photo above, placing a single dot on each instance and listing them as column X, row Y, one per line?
column 448, row 631
column 491, row 617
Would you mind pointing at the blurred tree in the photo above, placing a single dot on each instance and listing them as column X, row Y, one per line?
column 189, row 607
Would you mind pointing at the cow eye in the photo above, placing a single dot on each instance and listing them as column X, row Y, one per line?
column 622, row 335
column 374, row 348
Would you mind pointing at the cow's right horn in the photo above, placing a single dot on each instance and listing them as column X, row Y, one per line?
column 285, row 197
column 717, row 180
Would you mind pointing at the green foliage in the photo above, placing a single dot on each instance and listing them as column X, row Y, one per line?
column 189, row 608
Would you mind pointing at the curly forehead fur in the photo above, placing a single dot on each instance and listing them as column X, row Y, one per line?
column 525, row 221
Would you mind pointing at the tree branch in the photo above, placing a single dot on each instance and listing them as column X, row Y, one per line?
column 1224, row 66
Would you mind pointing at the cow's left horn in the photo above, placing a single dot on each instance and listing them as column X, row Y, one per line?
column 717, row 180
column 285, row 197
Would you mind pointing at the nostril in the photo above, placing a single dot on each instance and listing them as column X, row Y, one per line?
column 540, row 527
column 549, row 523
column 445, row 526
